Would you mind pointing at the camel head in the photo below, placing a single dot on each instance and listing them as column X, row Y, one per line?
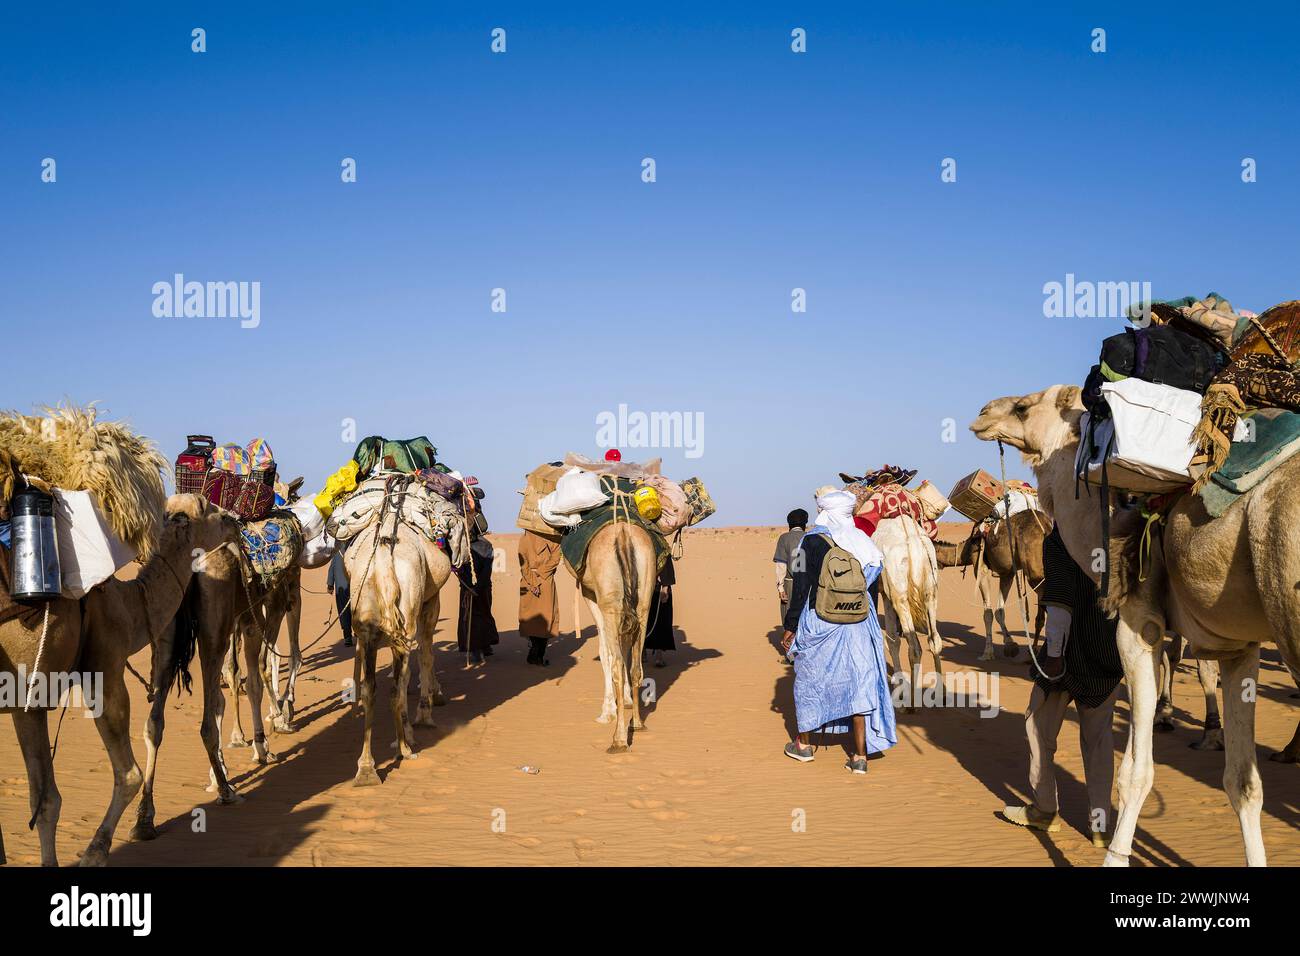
column 205, row 525
column 1038, row 424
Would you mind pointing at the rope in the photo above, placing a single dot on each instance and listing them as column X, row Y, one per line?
column 36, row 667
column 1022, row 604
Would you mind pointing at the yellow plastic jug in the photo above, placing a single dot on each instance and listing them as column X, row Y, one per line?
column 647, row 503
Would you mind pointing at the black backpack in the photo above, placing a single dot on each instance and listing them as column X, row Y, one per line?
column 1179, row 354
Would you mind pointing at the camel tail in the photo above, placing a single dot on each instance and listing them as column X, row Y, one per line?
column 185, row 637
column 920, row 609
column 388, row 590
column 629, row 621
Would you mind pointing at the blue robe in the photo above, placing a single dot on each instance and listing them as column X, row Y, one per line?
column 839, row 672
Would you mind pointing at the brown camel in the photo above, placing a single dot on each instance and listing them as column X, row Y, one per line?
column 396, row 574
column 120, row 618
column 1226, row 584
column 989, row 551
column 618, row 579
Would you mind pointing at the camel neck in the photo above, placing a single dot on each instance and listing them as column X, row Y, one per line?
column 1077, row 519
column 162, row 582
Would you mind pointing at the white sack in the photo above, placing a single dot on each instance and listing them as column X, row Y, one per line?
column 89, row 551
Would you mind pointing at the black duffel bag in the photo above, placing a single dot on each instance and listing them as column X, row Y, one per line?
column 1179, row 354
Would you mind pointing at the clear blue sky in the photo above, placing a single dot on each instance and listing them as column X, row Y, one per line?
column 523, row 171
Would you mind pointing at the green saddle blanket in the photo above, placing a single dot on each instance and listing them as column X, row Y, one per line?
column 577, row 539
column 1275, row 438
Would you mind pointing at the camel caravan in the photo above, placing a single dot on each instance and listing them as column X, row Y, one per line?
column 1169, row 476
column 1164, row 482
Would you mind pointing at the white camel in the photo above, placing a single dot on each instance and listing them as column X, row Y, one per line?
column 909, row 581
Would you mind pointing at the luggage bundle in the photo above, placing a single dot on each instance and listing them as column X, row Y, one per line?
column 1143, row 398
column 403, row 498
column 402, row 479
column 238, row 478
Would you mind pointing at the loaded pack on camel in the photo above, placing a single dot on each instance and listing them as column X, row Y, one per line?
column 615, row 519
column 79, row 498
column 904, row 524
column 404, row 521
column 1004, row 548
column 1190, row 543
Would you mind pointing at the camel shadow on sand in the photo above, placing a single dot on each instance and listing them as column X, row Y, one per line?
column 273, row 821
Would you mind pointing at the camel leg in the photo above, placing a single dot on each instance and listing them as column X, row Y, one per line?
column 366, row 649
column 160, row 685
column 231, row 671
column 114, row 726
column 253, row 680
column 404, row 743
column 1005, row 584
column 618, row 675
column 1288, row 754
column 988, row 599
column 607, row 707
column 430, row 691
column 932, row 627
column 1137, row 770
column 892, row 637
column 634, row 684
column 908, row 627
column 1171, row 654
column 211, row 655
column 1241, row 771
column 1207, row 674
column 293, row 616
column 34, row 740
column 268, row 658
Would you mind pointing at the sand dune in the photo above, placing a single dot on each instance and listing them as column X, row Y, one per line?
column 705, row 783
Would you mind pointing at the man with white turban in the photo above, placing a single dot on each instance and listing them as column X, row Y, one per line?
column 840, row 681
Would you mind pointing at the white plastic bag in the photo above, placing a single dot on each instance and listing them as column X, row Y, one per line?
column 575, row 492
column 89, row 551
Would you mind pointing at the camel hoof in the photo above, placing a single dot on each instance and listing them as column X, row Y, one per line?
column 604, row 718
column 264, row 758
column 424, row 720
column 987, row 655
column 1280, row 757
column 94, row 856
column 366, row 777
column 282, row 726
column 1163, row 725
column 617, row 749
column 1114, row 859
column 143, row 832
column 439, row 699
column 638, row 725
column 1213, row 740
column 1009, row 650
column 237, row 740
column 230, row 799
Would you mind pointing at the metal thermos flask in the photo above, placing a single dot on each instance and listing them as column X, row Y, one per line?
column 34, row 555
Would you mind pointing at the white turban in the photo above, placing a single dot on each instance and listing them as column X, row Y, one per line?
column 835, row 514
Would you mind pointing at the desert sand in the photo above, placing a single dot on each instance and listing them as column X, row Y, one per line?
column 705, row 782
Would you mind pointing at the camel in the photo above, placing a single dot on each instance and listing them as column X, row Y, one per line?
column 1226, row 584
column 618, row 579
column 910, row 584
column 120, row 618
column 397, row 574
column 228, row 608
column 991, row 554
